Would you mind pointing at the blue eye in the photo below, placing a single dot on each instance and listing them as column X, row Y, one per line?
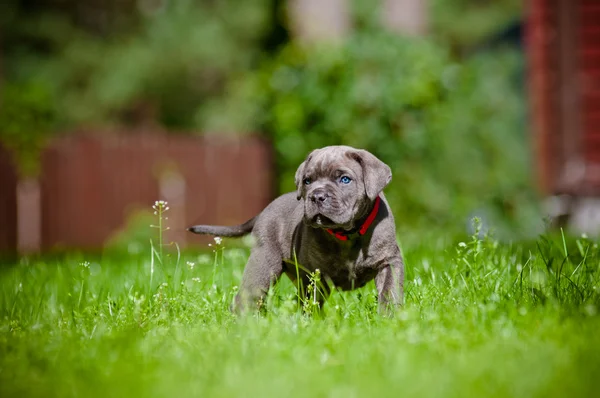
column 345, row 180
column 307, row 181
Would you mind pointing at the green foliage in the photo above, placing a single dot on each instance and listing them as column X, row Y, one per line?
column 452, row 132
column 133, row 238
column 160, row 70
column 27, row 119
column 481, row 319
column 64, row 76
column 465, row 23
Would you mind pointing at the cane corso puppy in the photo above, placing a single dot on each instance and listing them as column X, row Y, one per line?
column 338, row 221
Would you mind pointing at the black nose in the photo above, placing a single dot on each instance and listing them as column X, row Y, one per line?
column 319, row 196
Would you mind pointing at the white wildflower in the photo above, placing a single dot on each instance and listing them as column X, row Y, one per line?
column 160, row 205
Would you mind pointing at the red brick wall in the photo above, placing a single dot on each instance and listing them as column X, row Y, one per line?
column 563, row 51
column 541, row 44
column 588, row 13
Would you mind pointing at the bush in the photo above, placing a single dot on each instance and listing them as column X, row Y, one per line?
column 452, row 132
column 159, row 71
column 154, row 67
column 462, row 24
column 27, row 118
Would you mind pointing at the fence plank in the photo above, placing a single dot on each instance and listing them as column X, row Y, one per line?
column 92, row 182
column 8, row 202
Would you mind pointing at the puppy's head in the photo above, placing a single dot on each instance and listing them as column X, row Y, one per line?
column 338, row 185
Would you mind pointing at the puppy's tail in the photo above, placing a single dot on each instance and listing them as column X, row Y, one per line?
column 229, row 232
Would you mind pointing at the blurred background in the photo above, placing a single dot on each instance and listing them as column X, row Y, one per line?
column 485, row 108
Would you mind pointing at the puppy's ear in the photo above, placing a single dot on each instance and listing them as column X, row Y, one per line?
column 377, row 175
column 299, row 175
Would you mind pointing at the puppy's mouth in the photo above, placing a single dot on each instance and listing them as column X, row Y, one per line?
column 327, row 215
column 321, row 221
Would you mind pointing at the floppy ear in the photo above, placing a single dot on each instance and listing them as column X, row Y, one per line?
column 377, row 175
column 299, row 174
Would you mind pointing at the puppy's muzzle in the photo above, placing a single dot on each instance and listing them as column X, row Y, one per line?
column 319, row 197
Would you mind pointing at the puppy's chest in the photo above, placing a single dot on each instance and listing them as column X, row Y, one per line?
column 346, row 266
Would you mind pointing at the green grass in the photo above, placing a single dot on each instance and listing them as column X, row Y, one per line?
column 481, row 319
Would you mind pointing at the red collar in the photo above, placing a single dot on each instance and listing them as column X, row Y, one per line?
column 363, row 229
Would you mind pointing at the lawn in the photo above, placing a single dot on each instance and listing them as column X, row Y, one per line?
column 481, row 318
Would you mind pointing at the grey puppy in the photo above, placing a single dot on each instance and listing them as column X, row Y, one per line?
column 337, row 221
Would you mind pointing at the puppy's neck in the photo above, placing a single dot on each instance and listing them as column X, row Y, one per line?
column 361, row 227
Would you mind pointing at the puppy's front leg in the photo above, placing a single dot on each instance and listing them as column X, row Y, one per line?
column 263, row 269
column 390, row 286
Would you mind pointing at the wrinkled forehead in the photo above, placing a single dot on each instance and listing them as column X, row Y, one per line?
column 327, row 162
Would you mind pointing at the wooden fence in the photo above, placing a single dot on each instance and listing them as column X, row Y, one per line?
column 91, row 183
column 8, row 204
